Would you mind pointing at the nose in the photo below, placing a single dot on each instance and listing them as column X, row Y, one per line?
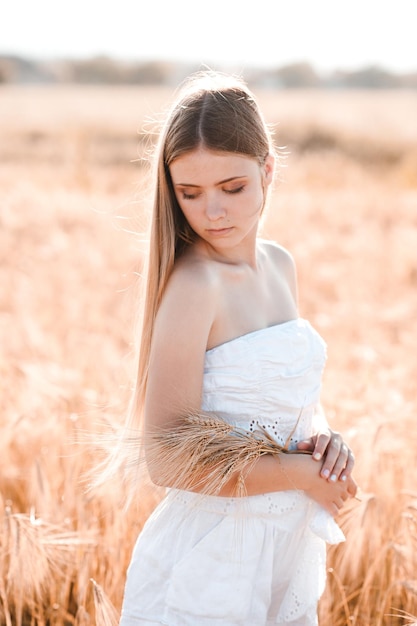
column 214, row 209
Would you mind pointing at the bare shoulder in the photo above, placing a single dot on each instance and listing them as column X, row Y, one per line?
column 282, row 261
column 188, row 305
column 279, row 255
column 193, row 280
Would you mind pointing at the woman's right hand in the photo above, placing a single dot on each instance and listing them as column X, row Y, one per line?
column 331, row 495
column 304, row 473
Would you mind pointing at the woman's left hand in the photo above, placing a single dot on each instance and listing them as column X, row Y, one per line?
column 328, row 446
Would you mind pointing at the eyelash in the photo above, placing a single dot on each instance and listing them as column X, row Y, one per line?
column 237, row 190
column 186, row 196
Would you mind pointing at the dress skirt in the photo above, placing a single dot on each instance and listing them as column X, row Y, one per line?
column 214, row 561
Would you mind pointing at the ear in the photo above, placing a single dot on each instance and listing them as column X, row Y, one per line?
column 269, row 167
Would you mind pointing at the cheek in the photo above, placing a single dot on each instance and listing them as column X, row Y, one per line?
column 252, row 204
column 191, row 215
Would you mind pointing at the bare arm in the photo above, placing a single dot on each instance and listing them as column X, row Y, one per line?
column 176, row 366
column 297, row 471
column 205, row 454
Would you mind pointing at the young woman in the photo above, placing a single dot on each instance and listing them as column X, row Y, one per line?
column 228, row 383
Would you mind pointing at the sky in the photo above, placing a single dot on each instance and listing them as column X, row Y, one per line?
column 238, row 34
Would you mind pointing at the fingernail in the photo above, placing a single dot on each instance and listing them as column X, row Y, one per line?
column 333, row 478
column 317, row 456
column 326, row 473
column 343, row 478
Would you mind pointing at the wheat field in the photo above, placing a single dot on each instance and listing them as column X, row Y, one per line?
column 73, row 211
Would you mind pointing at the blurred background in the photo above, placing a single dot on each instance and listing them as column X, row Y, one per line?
column 275, row 43
column 82, row 89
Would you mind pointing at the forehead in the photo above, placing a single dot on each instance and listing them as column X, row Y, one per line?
column 204, row 167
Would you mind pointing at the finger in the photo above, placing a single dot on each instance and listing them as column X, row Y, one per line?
column 340, row 464
column 322, row 443
column 335, row 508
column 352, row 488
column 349, row 465
column 332, row 455
column 306, row 444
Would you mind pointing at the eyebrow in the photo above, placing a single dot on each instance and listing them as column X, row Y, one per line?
column 221, row 182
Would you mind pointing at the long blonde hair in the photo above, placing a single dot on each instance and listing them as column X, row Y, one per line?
column 217, row 112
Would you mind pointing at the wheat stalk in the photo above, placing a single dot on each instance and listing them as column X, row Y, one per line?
column 203, row 452
column 106, row 614
column 35, row 554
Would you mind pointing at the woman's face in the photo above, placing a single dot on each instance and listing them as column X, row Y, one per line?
column 221, row 194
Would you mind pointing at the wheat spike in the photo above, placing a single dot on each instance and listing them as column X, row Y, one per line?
column 106, row 614
column 203, row 452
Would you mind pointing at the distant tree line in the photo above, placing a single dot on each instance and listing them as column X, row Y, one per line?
column 103, row 70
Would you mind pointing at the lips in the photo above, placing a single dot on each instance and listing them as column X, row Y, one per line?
column 219, row 231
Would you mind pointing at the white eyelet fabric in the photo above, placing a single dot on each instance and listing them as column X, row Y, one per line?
column 254, row 561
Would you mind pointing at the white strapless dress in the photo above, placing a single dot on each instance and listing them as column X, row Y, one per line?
column 254, row 561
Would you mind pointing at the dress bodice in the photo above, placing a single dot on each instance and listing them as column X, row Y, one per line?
column 269, row 378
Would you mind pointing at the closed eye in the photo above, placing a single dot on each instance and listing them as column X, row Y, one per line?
column 189, row 196
column 236, row 190
column 193, row 196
